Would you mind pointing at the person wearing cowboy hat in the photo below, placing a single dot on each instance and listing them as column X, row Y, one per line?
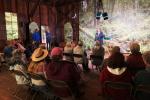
column 36, row 66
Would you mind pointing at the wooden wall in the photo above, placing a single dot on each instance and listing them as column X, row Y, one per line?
column 53, row 16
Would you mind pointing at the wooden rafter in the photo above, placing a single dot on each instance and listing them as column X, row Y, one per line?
column 32, row 11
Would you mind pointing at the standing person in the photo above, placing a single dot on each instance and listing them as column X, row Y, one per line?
column 36, row 37
column 48, row 38
column 69, row 50
column 99, row 36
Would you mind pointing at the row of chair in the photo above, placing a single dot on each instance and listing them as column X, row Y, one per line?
column 54, row 85
column 132, row 90
column 96, row 60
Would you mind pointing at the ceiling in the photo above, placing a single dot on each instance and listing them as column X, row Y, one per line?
column 59, row 2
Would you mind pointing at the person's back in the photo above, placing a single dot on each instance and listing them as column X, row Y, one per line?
column 8, row 51
column 37, row 65
column 62, row 70
column 78, row 50
column 16, row 63
column 58, row 69
column 134, row 60
column 98, row 50
column 116, row 71
column 69, row 50
column 142, row 78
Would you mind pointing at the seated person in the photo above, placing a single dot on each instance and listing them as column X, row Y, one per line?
column 16, row 63
column 63, row 70
column 142, row 77
column 68, row 49
column 134, row 60
column 80, row 50
column 98, row 50
column 8, row 52
column 116, row 71
column 37, row 66
column 115, row 49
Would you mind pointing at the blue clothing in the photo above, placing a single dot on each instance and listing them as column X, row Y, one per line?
column 36, row 37
column 8, row 51
column 48, row 37
column 99, row 37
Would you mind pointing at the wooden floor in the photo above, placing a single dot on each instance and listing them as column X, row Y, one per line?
column 8, row 84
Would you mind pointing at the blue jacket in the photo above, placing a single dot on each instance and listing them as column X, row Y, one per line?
column 99, row 37
column 36, row 36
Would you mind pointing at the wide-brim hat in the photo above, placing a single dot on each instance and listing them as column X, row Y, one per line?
column 39, row 54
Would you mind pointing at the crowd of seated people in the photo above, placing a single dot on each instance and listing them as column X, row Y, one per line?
column 115, row 68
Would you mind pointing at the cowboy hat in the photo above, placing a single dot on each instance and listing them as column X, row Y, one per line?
column 39, row 54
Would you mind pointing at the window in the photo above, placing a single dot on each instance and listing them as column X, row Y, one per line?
column 11, row 25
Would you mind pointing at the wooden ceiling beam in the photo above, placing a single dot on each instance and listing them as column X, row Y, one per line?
column 32, row 12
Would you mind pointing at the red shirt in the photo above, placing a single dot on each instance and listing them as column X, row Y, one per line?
column 105, row 75
column 64, row 71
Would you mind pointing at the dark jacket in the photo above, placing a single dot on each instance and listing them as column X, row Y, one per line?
column 64, row 71
column 142, row 78
column 135, row 62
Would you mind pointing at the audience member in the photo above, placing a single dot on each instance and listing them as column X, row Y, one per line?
column 8, row 52
column 142, row 77
column 69, row 50
column 99, row 36
column 37, row 66
column 98, row 50
column 134, row 60
column 115, row 49
column 81, row 51
column 116, row 71
column 17, row 63
column 63, row 70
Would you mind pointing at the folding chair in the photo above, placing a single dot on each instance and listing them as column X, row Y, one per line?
column 142, row 92
column 17, row 89
column 97, row 61
column 117, row 89
column 60, row 87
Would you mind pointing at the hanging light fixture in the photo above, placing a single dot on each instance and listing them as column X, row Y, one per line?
column 98, row 15
column 105, row 15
